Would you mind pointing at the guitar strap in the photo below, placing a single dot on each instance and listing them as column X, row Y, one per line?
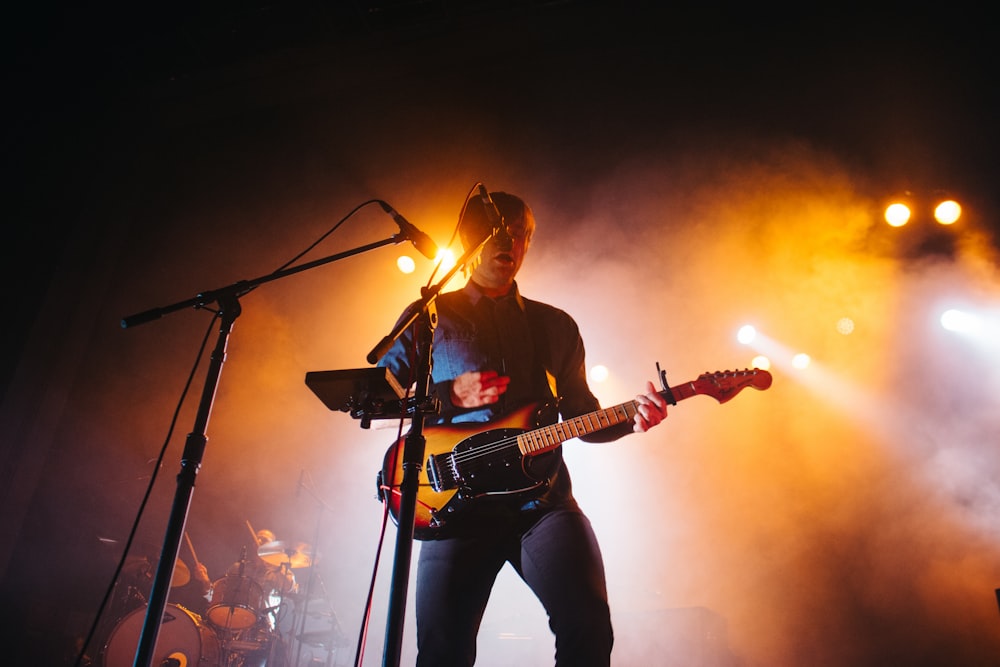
column 540, row 341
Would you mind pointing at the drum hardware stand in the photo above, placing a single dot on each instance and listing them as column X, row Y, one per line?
column 299, row 629
column 227, row 300
column 423, row 313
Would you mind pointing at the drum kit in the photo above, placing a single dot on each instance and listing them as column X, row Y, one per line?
column 254, row 617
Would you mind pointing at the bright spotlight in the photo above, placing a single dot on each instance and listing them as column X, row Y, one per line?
column 446, row 258
column 761, row 362
column 947, row 212
column 897, row 214
column 801, row 360
column 746, row 334
column 406, row 264
column 961, row 322
column 598, row 373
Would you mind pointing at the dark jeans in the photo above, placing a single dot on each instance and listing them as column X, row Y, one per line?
column 559, row 559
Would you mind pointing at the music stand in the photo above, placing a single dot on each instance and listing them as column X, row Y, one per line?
column 366, row 393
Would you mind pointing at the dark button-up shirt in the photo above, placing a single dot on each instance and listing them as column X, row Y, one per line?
column 537, row 345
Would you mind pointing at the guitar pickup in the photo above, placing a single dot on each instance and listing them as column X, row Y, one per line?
column 441, row 472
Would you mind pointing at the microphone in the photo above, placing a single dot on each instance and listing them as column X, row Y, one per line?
column 420, row 240
column 500, row 236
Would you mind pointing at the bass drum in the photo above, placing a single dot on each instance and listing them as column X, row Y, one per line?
column 182, row 638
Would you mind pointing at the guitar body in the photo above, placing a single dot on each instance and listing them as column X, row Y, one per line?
column 488, row 463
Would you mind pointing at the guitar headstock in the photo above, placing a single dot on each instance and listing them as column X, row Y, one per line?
column 723, row 385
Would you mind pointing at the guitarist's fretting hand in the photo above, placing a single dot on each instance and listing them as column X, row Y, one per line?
column 474, row 389
column 652, row 409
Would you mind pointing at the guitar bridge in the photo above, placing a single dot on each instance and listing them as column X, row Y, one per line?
column 441, row 472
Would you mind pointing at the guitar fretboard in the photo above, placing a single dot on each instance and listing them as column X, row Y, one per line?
column 547, row 438
column 722, row 386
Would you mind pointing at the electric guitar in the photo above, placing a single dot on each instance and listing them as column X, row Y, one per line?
column 465, row 462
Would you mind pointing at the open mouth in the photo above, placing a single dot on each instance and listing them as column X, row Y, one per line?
column 504, row 258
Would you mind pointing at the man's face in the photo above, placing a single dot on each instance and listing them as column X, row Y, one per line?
column 500, row 265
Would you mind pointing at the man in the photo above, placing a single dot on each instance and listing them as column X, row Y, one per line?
column 274, row 575
column 251, row 590
column 495, row 351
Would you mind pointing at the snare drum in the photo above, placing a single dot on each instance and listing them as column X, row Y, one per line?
column 182, row 637
column 237, row 603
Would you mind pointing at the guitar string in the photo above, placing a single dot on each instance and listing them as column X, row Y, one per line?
column 629, row 408
column 485, row 450
column 562, row 431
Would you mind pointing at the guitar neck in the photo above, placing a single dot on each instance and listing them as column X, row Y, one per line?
column 721, row 385
column 547, row 438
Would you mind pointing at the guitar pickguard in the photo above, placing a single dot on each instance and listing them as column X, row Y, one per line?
column 486, row 463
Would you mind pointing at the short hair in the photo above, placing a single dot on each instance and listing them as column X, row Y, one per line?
column 475, row 225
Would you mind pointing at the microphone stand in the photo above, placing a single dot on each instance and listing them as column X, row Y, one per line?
column 229, row 309
column 424, row 314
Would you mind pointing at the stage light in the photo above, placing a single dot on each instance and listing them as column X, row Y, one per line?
column 746, row 334
column 801, row 360
column 406, row 264
column 918, row 207
column 845, row 325
column 761, row 362
column 961, row 322
column 598, row 373
column 446, row 258
column 897, row 214
column 947, row 212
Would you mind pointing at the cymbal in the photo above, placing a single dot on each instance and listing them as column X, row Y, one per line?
column 137, row 567
column 182, row 574
column 292, row 554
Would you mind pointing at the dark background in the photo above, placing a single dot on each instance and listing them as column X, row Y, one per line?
column 153, row 152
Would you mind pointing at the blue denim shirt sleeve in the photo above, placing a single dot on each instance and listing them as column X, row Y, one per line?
column 455, row 351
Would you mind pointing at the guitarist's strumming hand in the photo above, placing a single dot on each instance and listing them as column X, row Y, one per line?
column 475, row 388
column 652, row 409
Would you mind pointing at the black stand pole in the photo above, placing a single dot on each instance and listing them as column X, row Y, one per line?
column 413, row 457
column 227, row 299
column 424, row 313
column 194, row 449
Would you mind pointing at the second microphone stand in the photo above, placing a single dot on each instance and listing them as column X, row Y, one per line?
column 423, row 315
column 229, row 309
